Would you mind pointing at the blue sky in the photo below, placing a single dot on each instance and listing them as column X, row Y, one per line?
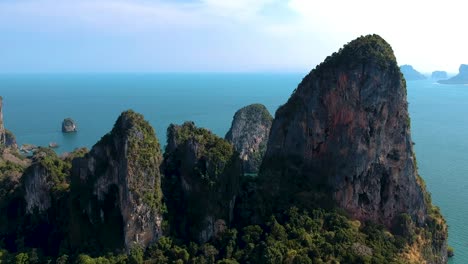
column 221, row 35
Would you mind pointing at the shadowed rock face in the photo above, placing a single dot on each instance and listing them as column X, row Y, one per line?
column 249, row 135
column 201, row 181
column 115, row 189
column 344, row 136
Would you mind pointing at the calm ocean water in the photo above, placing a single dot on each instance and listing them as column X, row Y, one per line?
column 35, row 105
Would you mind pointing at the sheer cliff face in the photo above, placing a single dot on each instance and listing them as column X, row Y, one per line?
column 344, row 136
column 249, row 134
column 201, row 179
column 115, row 189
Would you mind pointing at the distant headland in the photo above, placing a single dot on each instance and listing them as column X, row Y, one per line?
column 460, row 78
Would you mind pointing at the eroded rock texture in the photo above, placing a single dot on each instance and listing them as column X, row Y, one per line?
column 201, row 181
column 116, row 194
column 343, row 139
column 249, row 135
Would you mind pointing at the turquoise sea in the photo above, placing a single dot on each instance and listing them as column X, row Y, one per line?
column 36, row 104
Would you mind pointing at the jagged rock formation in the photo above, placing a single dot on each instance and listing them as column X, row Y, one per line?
column 68, row 125
column 411, row 74
column 343, row 139
column 116, row 200
column 201, row 178
column 460, row 78
column 439, row 75
column 249, row 134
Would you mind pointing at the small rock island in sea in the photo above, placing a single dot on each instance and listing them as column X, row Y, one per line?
column 338, row 183
column 439, row 75
column 460, row 78
column 68, row 125
column 411, row 74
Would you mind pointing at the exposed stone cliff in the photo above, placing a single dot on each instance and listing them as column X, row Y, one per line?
column 249, row 135
column 201, row 178
column 115, row 189
column 343, row 139
column 460, row 78
column 411, row 74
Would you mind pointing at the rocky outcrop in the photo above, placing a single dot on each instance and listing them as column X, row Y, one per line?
column 439, row 75
column 68, row 125
column 116, row 198
column 10, row 140
column 411, row 74
column 201, row 179
column 343, row 139
column 460, row 78
column 2, row 126
column 7, row 138
column 37, row 189
column 249, row 135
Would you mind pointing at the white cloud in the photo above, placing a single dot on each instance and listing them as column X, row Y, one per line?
column 428, row 34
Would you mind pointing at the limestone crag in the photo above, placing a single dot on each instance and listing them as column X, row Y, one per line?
column 201, row 179
column 460, row 78
column 115, row 188
column 439, row 75
column 346, row 130
column 343, row 139
column 249, row 135
column 37, row 189
column 411, row 74
column 68, row 125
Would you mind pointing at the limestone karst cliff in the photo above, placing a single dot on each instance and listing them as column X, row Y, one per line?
column 411, row 74
column 249, row 134
column 201, row 178
column 439, row 75
column 69, row 125
column 343, row 140
column 116, row 200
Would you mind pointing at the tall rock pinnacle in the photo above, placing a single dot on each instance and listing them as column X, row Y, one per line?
column 343, row 138
column 116, row 188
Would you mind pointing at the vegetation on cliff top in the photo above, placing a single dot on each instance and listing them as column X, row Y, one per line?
column 369, row 48
column 217, row 151
column 143, row 153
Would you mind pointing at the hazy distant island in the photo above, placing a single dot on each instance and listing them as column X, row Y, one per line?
column 439, row 75
column 460, row 78
column 411, row 74
column 336, row 182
